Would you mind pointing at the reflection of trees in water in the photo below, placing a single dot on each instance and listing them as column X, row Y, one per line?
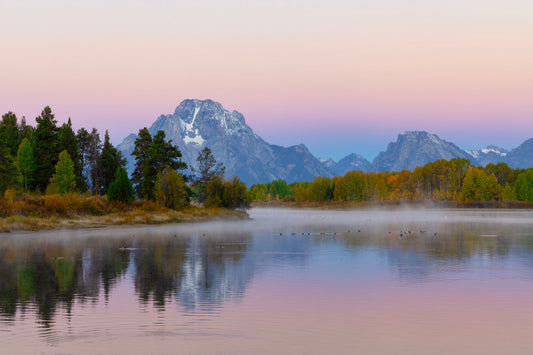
column 8, row 283
column 158, row 265
column 198, row 270
column 420, row 256
column 103, row 262
column 419, row 252
column 202, row 272
column 47, row 275
column 54, row 274
column 37, row 278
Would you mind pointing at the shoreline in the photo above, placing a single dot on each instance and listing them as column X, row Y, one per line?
column 28, row 224
column 393, row 205
column 191, row 214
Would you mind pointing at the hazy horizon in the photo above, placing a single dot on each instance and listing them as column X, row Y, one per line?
column 342, row 77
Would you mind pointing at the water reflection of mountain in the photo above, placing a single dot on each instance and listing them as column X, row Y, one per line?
column 200, row 272
column 220, row 269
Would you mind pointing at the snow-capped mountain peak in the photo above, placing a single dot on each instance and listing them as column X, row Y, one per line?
column 196, row 124
column 490, row 154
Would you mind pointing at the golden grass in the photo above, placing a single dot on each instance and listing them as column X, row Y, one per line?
column 32, row 213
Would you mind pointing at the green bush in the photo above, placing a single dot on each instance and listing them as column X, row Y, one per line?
column 121, row 189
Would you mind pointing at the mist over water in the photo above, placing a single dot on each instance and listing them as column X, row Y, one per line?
column 287, row 281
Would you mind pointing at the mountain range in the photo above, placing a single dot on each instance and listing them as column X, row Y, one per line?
column 196, row 124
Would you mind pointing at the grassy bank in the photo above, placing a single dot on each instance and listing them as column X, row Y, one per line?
column 76, row 211
column 393, row 204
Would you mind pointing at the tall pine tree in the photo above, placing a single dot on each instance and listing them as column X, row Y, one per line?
column 82, row 138
column 67, row 141
column 164, row 153
column 93, row 162
column 9, row 141
column 152, row 155
column 10, row 135
column 8, row 171
column 45, row 148
column 26, row 131
column 111, row 159
column 143, row 166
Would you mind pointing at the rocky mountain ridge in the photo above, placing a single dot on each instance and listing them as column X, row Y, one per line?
column 415, row 148
column 196, row 124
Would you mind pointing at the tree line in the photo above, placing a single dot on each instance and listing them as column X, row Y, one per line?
column 443, row 180
column 52, row 159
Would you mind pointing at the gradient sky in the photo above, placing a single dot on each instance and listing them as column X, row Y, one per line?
column 341, row 76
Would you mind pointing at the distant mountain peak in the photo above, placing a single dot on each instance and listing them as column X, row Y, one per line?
column 348, row 163
column 521, row 156
column 415, row 136
column 415, row 148
column 196, row 124
column 205, row 123
column 490, row 154
column 328, row 163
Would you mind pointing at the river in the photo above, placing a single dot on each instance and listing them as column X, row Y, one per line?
column 288, row 281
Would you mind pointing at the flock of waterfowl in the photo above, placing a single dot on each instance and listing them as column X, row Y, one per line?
column 400, row 234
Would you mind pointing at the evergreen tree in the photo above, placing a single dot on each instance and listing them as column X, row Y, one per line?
column 111, row 159
column 207, row 170
column 67, row 141
column 120, row 189
column 164, row 153
column 26, row 131
column 83, row 139
column 64, row 178
column 8, row 171
column 93, row 161
column 25, row 163
column 152, row 155
column 143, row 169
column 45, row 148
column 10, row 135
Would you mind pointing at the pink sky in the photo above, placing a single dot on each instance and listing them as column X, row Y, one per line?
column 340, row 77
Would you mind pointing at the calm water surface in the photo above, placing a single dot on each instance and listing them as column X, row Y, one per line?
column 290, row 281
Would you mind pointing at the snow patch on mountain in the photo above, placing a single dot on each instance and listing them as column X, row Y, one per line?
column 196, row 139
column 196, row 124
column 473, row 153
column 495, row 150
column 433, row 138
